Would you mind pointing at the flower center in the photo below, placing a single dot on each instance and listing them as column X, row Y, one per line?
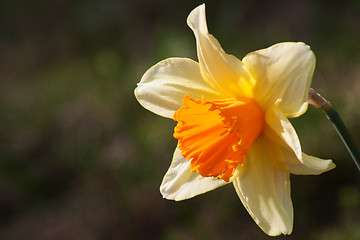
column 216, row 135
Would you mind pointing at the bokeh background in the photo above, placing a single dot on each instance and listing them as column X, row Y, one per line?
column 81, row 159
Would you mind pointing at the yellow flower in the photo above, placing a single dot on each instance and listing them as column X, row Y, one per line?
column 233, row 123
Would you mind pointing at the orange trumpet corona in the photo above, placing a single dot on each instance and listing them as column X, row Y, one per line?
column 216, row 135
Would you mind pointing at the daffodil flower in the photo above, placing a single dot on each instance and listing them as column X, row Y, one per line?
column 232, row 123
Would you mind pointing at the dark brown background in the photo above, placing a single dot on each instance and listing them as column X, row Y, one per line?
column 81, row 159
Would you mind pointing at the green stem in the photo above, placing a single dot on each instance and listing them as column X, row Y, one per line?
column 344, row 133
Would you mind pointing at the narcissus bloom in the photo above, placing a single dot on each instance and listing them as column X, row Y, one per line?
column 232, row 123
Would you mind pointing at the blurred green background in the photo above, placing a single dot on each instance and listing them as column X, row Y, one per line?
column 81, row 159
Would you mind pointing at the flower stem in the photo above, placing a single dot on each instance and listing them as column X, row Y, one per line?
column 319, row 102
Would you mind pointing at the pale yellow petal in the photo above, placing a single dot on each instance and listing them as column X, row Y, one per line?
column 284, row 148
column 223, row 72
column 311, row 165
column 180, row 183
column 283, row 75
column 279, row 127
column 163, row 87
column 265, row 192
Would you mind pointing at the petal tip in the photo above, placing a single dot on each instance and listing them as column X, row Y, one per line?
column 331, row 166
column 197, row 20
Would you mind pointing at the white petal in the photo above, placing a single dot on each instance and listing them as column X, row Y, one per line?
column 283, row 75
column 265, row 192
column 180, row 183
column 284, row 148
column 224, row 72
column 163, row 87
